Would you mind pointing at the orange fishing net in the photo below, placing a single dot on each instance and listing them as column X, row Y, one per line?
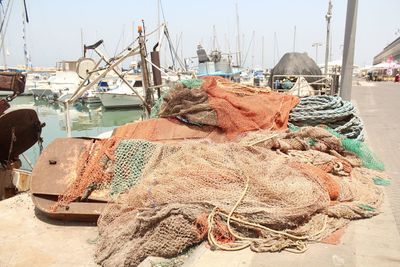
column 239, row 112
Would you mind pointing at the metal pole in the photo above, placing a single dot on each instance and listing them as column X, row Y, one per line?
column 294, row 39
column 328, row 29
column 348, row 51
column 262, row 53
column 145, row 74
column 239, row 56
column 83, row 49
column 316, row 45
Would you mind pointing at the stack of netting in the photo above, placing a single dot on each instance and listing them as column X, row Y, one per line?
column 268, row 191
column 233, row 108
column 331, row 111
column 176, row 185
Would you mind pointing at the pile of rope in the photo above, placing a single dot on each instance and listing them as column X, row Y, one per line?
column 331, row 111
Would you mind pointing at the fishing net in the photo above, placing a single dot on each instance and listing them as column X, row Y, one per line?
column 361, row 149
column 232, row 107
column 267, row 190
column 175, row 183
column 130, row 158
column 192, row 83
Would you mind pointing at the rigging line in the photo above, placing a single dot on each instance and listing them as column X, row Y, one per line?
column 248, row 48
column 5, row 29
column 119, row 40
column 26, row 12
column 5, row 15
column 172, row 49
column 162, row 10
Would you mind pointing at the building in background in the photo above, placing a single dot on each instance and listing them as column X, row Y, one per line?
column 391, row 53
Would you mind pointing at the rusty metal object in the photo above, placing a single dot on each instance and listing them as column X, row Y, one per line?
column 20, row 129
column 12, row 81
column 3, row 106
column 54, row 172
column 75, row 211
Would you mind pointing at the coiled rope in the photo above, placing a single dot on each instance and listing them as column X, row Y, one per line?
column 331, row 111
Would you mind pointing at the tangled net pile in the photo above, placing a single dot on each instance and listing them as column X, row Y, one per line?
column 331, row 111
column 264, row 189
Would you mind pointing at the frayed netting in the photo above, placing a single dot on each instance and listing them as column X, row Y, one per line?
column 269, row 191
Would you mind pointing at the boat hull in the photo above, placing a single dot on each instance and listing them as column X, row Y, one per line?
column 112, row 100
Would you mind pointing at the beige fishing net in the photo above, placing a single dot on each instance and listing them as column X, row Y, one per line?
column 267, row 190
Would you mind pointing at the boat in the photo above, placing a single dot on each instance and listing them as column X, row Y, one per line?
column 20, row 130
column 122, row 95
column 63, row 83
column 215, row 64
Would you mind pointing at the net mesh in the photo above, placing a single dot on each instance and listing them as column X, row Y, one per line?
column 176, row 184
column 232, row 107
column 276, row 189
column 361, row 149
column 130, row 158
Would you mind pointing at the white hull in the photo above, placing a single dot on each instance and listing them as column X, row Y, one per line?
column 114, row 100
column 6, row 93
column 41, row 92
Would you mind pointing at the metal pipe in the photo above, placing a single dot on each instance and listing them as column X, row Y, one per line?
column 348, row 51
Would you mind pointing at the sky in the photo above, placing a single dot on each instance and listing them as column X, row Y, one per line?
column 57, row 27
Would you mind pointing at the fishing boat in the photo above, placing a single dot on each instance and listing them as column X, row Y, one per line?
column 215, row 64
column 122, row 95
column 63, row 83
column 20, row 130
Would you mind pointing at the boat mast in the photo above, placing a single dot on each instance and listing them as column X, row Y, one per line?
column 214, row 38
column 262, row 53
column 238, row 54
column 25, row 20
column 3, row 28
column 3, row 50
column 328, row 17
column 294, row 39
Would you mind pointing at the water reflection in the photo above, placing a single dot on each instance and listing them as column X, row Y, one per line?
column 86, row 120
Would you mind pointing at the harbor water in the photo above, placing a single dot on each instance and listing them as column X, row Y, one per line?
column 85, row 121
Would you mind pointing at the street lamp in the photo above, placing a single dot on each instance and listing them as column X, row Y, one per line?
column 316, row 45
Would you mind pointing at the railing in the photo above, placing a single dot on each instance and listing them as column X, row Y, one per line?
column 322, row 84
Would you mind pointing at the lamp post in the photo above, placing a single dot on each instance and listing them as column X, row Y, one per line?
column 316, row 45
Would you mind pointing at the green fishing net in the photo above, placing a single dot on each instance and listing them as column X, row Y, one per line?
column 192, row 83
column 362, row 150
column 130, row 158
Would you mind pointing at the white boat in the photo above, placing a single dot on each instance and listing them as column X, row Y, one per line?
column 64, row 82
column 122, row 96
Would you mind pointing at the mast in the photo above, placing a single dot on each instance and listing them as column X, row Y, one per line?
column 25, row 20
column 252, row 49
column 294, row 39
column 328, row 17
column 3, row 28
column 214, row 38
column 82, row 45
column 238, row 55
column 158, row 19
column 262, row 53
column 145, row 75
column 3, row 50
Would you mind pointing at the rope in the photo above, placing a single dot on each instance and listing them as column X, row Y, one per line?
column 332, row 111
column 300, row 244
